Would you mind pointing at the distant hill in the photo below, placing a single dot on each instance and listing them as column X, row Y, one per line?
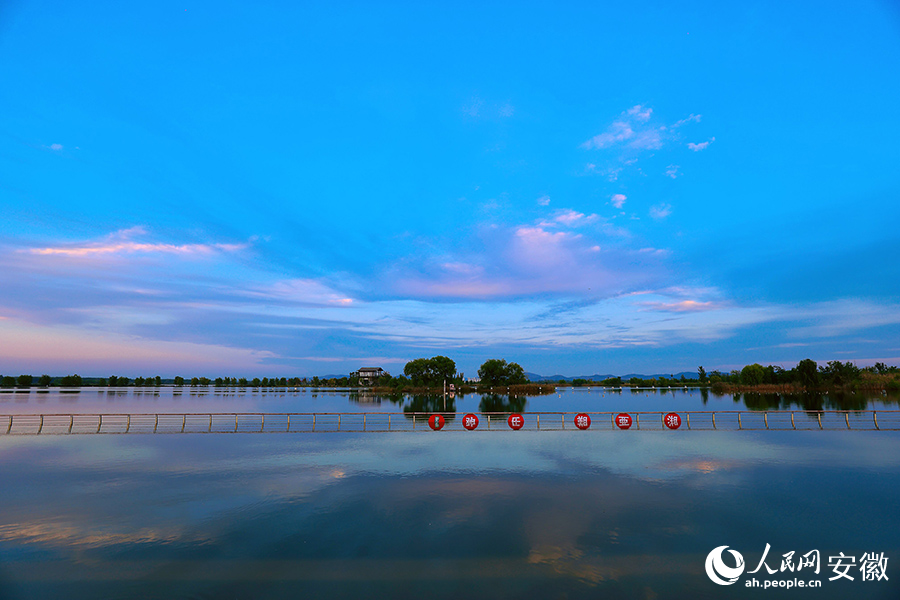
column 598, row 377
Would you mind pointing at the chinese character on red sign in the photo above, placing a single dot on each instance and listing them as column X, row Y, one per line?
column 582, row 421
column 436, row 422
column 470, row 421
column 672, row 421
column 515, row 421
column 623, row 421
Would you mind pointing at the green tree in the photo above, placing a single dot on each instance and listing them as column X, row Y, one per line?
column 701, row 374
column 179, row 381
column 243, row 382
column 24, row 380
column 71, row 381
column 442, row 369
column 808, row 372
column 44, row 381
column 497, row 371
column 841, row 373
column 157, row 381
column 753, row 374
column 9, row 381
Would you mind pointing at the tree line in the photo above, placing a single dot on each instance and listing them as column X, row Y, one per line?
column 434, row 372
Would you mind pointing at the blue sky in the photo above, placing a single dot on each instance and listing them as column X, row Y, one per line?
column 219, row 188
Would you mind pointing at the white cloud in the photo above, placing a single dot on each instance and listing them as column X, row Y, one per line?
column 694, row 118
column 661, row 211
column 56, row 147
column 640, row 113
column 571, row 217
column 672, row 171
column 633, row 129
column 701, row 145
column 507, row 110
column 543, row 200
column 618, row 200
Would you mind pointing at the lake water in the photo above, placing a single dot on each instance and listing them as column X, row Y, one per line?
column 450, row 515
column 567, row 399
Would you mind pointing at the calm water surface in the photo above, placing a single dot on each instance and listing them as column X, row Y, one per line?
column 436, row 515
column 178, row 400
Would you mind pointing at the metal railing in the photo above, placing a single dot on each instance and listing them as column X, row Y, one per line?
column 150, row 423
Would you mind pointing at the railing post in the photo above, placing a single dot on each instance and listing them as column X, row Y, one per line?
column 794, row 425
column 71, row 422
column 875, row 418
column 183, row 422
column 156, row 423
column 364, row 421
column 340, row 417
column 847, row 419
column 288, row 425
column 41, row 427
column 688, row 415
column 819, row 415
column 210, row 423
column 314, row 422
column 538, row 421
column 99, row 423
column 8, row 429
column 714, row 420
column 128, row 423
column 262, row 424
column 766, row 418
column 740, row 423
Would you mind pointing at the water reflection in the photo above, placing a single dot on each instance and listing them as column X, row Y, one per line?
column 504, row 404
column 576, row 399
column 436, row 516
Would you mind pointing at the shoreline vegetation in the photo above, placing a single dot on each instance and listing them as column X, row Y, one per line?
column 437, row 375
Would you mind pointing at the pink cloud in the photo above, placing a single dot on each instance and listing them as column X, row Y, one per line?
column 618, row 200
column 683, row 306
column 302, row 291
column 127, row 247
column 120, row 243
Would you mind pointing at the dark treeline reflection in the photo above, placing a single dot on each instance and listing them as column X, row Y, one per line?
column 805, row 401
column 422, row 403
column 498, row 403
column 446, row 405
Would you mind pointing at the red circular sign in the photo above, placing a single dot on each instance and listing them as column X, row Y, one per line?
column 515, row 421
column 436, row 422
column 672, row 421
column 470, row 421
column 623, row 421
column 582, row 421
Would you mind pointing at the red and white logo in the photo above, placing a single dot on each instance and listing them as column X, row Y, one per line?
column 436, row 422
column 582, row 421
column 672, row 421
column 470, row 421
column 515, row 421
column 623, row 421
